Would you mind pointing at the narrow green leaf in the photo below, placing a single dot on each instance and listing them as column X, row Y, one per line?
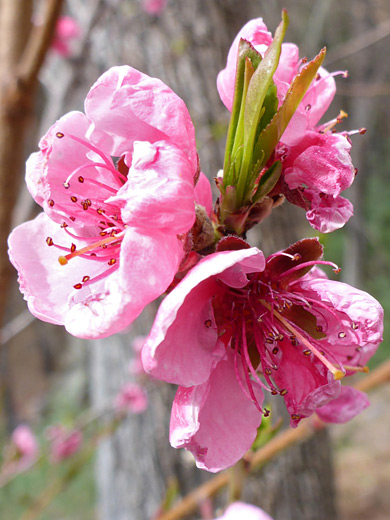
column 262, row 80
column 270, row 136
column 245, row 50
column 257, row 91
column 268, row 181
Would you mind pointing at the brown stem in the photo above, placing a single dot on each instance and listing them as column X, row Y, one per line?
column 22, row 53
column 279, row 443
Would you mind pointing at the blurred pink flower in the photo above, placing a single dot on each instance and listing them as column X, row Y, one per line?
column 26, row 447
column 132, row 398
column 117, row 188
column 238, row 323
column 241, row 511
column 67, row 30
column 64, row 442
column 316, row 161
column 153, row 7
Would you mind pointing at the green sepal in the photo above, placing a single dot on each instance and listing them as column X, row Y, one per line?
column 268, row 181
column 270, row 136
column 246, row 55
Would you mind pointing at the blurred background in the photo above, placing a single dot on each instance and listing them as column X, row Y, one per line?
column 48, row 377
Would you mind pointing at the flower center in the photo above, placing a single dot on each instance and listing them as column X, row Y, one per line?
column 101, row 228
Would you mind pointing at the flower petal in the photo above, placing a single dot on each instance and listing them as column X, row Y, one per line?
column 215, row 421
column 182, row 347
column 345, row 407
column 126, row 105
column 147, row 265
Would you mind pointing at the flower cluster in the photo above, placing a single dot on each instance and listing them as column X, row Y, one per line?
column 127, row 216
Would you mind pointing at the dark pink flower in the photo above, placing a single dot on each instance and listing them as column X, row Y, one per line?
column 117, row 188
column 63, row 442
column 238, row 323
column 316, row 161
column 132, row 398
column 241, row 511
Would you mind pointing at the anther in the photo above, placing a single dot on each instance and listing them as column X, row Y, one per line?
column 60, row 135
column 319, row 328
column 86, row 278
column 208, row 323
column 64, row 225
column 50, row 202
column 306, row 352
column 297, row 257
column 49, row 241
column 295, row 417
column 308, row 107
column 72, row 219
column 81, row 179
column 100, row 211
column 85, row 205
column 66, row 185
column 275, row 350
column 266, row 412
column 342, row 335
column 78, row 286
column 304, row 60
column 112, row 261
column 268, row 371
column 337, row 270
column 283, row 392
column 73, row 198
column 354, row 325
column 274, row 391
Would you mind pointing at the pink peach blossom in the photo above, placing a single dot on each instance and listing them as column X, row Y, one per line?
column 63, row 442
column 153, row 7
column 117, row 189
column 316, row 162
column 242, row 511
column 26, row 446
column 132, row 398
column 238, row 323
column 67, row 30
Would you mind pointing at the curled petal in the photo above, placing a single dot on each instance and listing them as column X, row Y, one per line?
column 328, row 214
column 345, row 407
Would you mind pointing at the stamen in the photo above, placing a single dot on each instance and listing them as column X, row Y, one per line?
column 337, row 373
column 63, row 260
column 312, row 263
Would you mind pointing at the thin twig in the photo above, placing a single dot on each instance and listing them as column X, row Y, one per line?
column 359, row 43
column 274, row 447
column 39, row 42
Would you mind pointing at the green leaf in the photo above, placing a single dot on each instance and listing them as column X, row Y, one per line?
column 245, row 51
column 270, row 136
column 256, row 94
column 268, row 181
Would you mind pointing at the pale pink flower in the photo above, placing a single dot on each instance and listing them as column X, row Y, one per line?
column 153, row 7
column 238, row 323
column 67, row 30
column 26, row 448
column 241, row 511
column 316, row 162
column 132, row 398
column 117, row 188
column 63, row 442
